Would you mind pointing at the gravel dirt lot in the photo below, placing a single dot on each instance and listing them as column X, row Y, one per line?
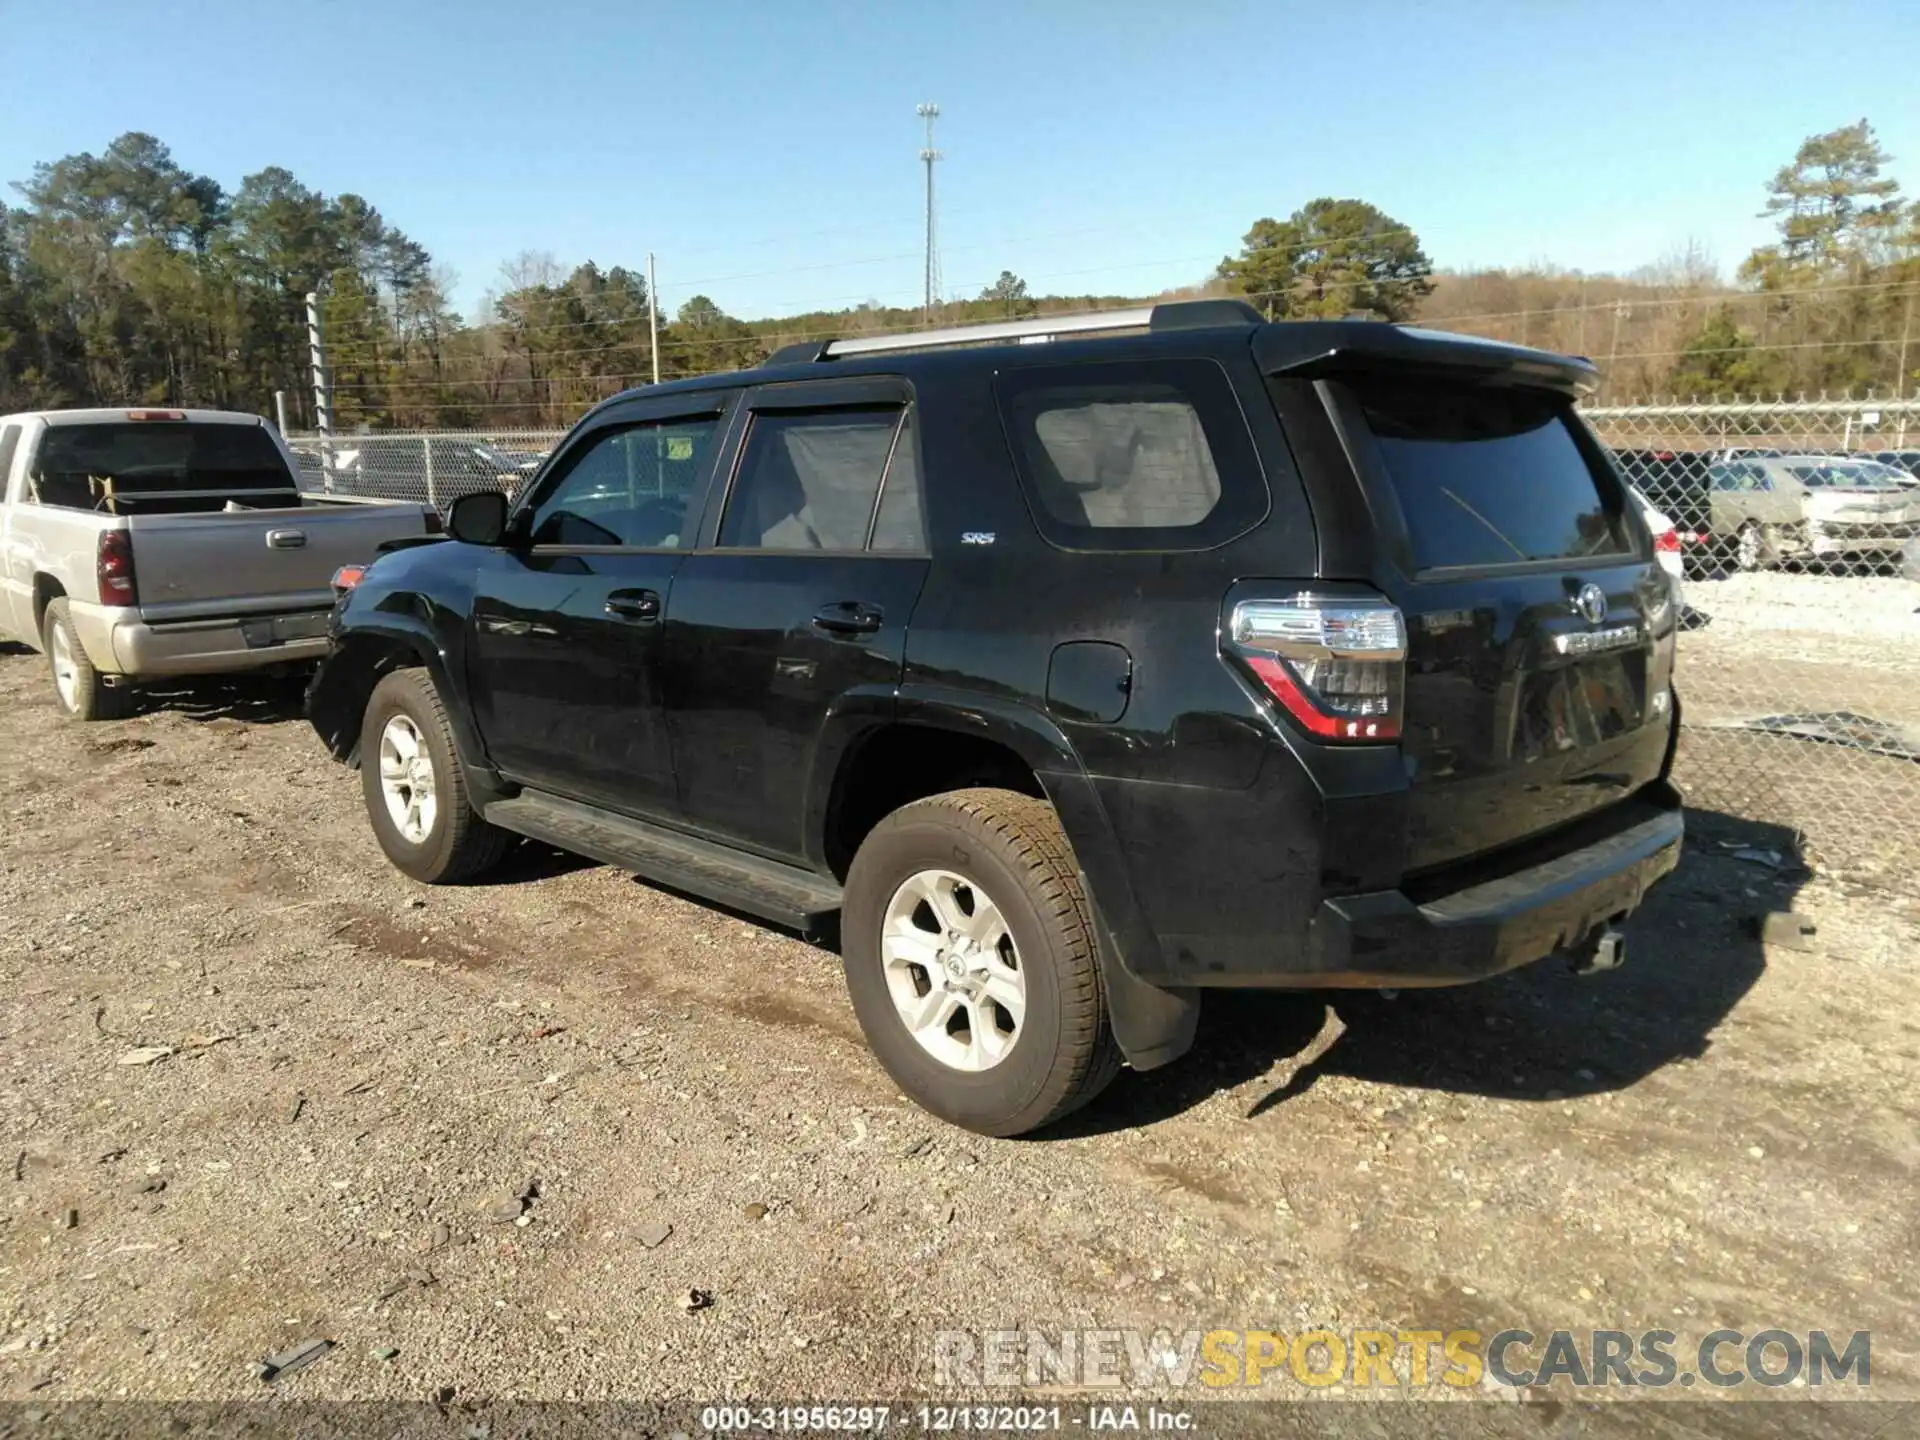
column 1805, row 645
column 654, row 1096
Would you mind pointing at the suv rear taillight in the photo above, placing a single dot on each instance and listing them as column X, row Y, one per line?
column 1667, row 542
column 1335, row 663
column 113, row 567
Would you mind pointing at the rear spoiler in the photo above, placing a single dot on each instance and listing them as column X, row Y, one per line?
column 1314, row 348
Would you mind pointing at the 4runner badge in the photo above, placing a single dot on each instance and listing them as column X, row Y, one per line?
column 977, row 537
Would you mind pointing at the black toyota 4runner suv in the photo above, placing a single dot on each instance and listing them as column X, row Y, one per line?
column 1064, row 680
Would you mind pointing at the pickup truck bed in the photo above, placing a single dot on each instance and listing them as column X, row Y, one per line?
column 176, row 543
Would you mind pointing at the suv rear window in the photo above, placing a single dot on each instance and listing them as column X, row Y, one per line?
column 1133, row 455
column 142, row 458
column 1487, row 477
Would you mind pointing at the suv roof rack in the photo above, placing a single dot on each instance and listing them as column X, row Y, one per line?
column 1168, row 315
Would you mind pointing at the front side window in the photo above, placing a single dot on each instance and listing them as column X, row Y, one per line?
column 811, row 480
column 631, row 487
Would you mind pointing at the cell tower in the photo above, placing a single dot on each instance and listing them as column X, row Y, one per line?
column 930, row 113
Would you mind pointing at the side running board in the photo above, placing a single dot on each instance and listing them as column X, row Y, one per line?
column 783, row 894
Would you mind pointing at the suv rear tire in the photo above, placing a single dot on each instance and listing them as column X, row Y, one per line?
column 972, row 964
column 415, row 789
column 80, row 692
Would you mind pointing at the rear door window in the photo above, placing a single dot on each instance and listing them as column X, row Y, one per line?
column 1133, row 455
column 1487, row 477
column 810, row 480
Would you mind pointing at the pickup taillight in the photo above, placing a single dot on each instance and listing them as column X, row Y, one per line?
column 113, row 567
column 1335, row 663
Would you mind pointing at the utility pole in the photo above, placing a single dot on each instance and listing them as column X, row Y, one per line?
column 280, row 410
column 653, row 318
column 1900, row 388
column 930, row 113
column 1906, row 333
column 322, row 388
column 1619, row 314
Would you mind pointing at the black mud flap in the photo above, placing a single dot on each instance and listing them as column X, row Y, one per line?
column 1153, row 1026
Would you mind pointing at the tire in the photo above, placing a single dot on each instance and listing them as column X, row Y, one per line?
column 80, row 692
column 953, row 851
column 1754, row 549
column 449, row 841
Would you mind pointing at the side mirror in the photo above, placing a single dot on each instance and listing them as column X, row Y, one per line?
column 479, row 518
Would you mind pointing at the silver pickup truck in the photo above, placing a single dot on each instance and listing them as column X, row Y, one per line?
column 143, row 543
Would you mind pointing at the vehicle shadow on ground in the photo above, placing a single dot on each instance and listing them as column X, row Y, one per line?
column 249, row 699
column 530, row 861
column 14, row 647
column 1539, row 1033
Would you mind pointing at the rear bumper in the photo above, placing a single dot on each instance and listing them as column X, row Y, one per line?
column 1388, row 939
column 119, row 642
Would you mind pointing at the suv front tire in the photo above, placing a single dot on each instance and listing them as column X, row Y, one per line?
column 415, row 790
column 972, row 964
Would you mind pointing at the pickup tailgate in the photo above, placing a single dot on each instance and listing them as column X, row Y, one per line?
column 238, row 561
column 1540, row 631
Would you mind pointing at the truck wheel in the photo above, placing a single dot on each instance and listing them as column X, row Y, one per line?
column 1756, row 548
column 971, row 961
column 415, row 790
column 80, row 691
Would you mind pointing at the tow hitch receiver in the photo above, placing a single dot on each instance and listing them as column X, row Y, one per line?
column 1604, row 949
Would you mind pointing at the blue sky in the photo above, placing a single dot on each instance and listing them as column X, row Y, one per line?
column 767, row 151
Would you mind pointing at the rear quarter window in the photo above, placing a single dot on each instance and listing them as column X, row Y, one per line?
column 1133, row 455
column 1488, row 477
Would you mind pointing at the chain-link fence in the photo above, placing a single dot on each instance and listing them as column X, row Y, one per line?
column 433, row 466
column 1795, row 524
column 1800, row 650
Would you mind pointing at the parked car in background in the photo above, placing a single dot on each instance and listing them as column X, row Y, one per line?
column 1666, row 544
column 1774, row 508
column 439, row 468
column 136, row 544
column 1675, row 483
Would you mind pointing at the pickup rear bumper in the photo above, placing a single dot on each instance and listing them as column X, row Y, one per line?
column 119, row 642
column 1389, row 939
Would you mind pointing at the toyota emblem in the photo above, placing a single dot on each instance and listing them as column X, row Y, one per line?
column 1591, row 603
